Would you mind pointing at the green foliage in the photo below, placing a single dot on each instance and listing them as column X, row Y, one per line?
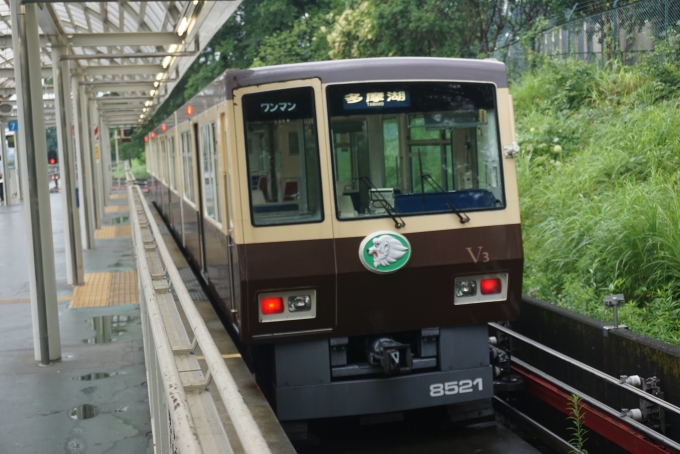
column 271, row 32
column 51, row 136
column 600, row 216
column 578, row 431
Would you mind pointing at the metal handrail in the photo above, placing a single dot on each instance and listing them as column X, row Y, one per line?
column 182, row 421
column 613, row 380
column 248, row 432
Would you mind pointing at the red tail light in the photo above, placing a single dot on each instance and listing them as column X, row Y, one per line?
column 271, row 305
column 490, row 286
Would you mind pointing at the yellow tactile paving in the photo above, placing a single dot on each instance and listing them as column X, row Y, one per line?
column 106, row 289
column 117, row 231
column 28, row 300
column 116, row 209
column 95, row 292
column 118, row 196
column 123, row 288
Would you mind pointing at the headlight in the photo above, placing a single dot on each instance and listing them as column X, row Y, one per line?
column 288, row 305
column 492, row 288
column 466, row 287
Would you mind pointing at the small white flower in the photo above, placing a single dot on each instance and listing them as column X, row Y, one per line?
column 556, row 139
column 557, row 149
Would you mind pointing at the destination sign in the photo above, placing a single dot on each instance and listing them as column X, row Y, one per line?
column 378, row 99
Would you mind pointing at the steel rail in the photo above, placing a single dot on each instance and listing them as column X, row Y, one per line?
column 599, row 405
column 557, row 442
column 183, row 424
column 246, row 428
column 613, row 380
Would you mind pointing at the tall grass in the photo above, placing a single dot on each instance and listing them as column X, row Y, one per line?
column 600, row 191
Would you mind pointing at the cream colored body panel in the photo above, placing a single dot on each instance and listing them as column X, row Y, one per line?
column 293, row 232
column 235, row 205
column 234, row 179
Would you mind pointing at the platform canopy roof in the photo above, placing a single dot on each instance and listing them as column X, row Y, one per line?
column 136, row 50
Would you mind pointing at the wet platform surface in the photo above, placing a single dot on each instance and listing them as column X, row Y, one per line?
column 94, row 400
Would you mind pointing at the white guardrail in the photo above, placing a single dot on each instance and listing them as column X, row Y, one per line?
column 184, row 417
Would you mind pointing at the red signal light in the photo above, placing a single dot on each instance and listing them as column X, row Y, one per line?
column 163, row 127
column 490, row 286
column 146, row 138
column 153, row 135
column 53, row 161
column 190, row 110
column 271, row 305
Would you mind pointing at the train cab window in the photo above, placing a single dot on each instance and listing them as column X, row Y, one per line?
column 283, row 157
column 211, row 181
column 171, row 164
column 187, row 166
column 420, row 148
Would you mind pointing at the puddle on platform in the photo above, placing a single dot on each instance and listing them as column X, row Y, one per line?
column 89, row 377
column 86, row 411
column 97, row 376
column 120, row 220
column 108, row 328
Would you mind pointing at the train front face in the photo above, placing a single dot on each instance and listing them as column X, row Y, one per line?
column 381, row 234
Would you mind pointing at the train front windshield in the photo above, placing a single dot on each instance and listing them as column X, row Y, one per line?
column 421, row 148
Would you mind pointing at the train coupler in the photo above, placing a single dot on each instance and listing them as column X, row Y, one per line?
column 394, row 357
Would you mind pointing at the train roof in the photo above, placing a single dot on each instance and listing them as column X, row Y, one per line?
column 337, row 71
column 370, row 69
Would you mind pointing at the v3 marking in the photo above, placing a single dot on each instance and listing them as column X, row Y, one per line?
column 480, row 254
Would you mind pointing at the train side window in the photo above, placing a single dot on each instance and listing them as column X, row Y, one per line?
column 211, row 183
column 154, row 161
column 171, row 163
column 283, row 157
column 164, row 166
column 188, row 165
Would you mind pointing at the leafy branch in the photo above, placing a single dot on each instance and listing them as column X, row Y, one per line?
column 577, row 416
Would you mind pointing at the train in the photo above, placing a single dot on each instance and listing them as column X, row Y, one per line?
column 357, row 226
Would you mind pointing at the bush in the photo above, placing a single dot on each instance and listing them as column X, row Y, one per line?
column 599, row 192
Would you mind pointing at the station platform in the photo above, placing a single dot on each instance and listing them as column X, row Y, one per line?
column 95, row 399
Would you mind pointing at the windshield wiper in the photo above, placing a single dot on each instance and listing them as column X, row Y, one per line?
column 452, row 206
column 398, row 221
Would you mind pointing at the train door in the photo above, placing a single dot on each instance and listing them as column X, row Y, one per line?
column 199, row 200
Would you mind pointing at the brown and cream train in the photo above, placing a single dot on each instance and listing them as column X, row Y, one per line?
column 356, row 222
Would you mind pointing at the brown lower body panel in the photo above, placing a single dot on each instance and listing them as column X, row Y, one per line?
column 353, row 301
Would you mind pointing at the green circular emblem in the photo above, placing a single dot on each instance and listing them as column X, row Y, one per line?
column 384, row 252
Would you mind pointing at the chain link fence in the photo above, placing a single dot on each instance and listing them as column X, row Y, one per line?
column 621, row 33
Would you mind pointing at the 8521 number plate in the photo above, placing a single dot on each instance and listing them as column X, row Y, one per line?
column 455, row 387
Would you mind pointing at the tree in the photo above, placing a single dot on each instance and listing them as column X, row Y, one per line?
column 438, row 28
